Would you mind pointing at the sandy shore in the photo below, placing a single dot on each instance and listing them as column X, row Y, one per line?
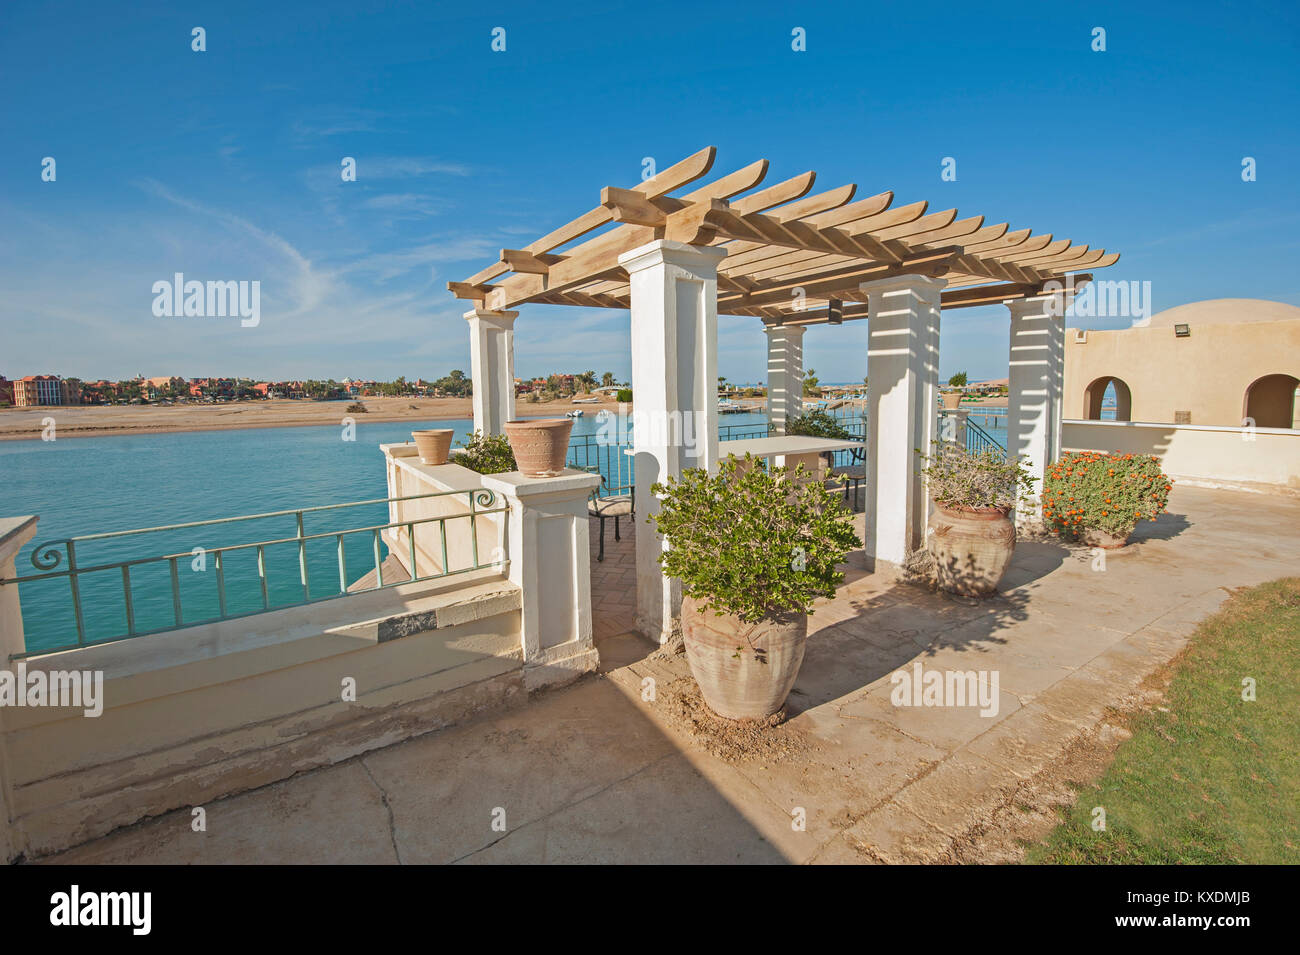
column 98, row 420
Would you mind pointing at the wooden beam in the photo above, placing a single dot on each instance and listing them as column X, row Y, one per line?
column 475, row 293
column 631, row 207
column 674, row 177
column 732, row 184
column 950, row 299
column 777, row 195
column 517, row 260
column 843, row 281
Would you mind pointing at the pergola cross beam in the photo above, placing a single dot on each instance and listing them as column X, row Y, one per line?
column 778, row 238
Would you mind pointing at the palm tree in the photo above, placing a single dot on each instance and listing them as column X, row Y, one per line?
column 607, row 380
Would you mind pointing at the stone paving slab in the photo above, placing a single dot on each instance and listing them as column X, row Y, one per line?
column 594, row 773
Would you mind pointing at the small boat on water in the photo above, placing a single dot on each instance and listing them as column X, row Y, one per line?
column 576, row 413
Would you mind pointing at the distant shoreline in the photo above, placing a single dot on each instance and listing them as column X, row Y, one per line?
column 93, row 421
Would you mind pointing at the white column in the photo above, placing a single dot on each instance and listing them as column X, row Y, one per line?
column 492, row 365
column 902, row 401
column 550, row 560
column 784, row 374
column 952, row 426
column 1036, row 370
column 675, row 400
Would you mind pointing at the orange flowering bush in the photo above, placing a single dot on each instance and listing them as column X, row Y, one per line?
column 1109, row 492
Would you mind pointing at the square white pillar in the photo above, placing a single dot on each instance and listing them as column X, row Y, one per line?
column 550, row 560
column 492, row 367
column 952, row 426
column 784, row 374
column 675, row 399
column 1035, row 386
column 902, row 401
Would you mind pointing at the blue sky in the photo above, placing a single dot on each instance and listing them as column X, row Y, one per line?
column 225, row 164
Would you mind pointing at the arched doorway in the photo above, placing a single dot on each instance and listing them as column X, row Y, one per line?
column 1108, row 399
column 1270, row 401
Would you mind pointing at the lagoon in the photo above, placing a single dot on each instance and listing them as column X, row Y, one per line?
column 92, row 485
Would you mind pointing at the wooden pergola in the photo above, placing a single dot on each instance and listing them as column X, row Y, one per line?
column 791, row 259
column 789, row 253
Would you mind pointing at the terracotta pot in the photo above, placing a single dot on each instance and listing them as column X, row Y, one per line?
column 972, row 548
column 1096, row 537
column 433, row 445
column 540, row 445
column 951, row 400
column 750, row 683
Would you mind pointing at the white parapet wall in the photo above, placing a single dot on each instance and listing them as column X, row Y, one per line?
column 190, row 715
column 1208, row 454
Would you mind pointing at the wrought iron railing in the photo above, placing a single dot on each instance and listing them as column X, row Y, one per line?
column 604, row 453
column 977, row 439
column 59, row 559
column 599, row 455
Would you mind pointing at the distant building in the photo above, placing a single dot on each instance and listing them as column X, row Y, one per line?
column 1227, row 362
column 6, row 391
column 37, row 390
column 992, row 387
column 151, row 388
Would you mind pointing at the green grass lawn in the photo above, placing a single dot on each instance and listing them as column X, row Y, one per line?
column 1210, row 778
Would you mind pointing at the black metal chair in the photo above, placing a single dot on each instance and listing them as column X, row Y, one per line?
column 853, row 475
column 616, row 506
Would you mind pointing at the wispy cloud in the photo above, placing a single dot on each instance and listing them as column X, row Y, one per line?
column 405, row 204
column 310, row 286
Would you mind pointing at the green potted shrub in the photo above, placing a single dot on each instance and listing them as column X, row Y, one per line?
column 952, row 397
column 819, row 424
column 486, row 454
column 970, row 534
column 1099, row 498
column 753, row 549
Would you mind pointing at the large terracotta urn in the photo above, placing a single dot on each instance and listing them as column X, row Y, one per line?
column 540, row 445
column 951, row 400
column 971, row 547
column 745, row 670
column 433, row 445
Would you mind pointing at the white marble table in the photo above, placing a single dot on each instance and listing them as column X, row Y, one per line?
column 790, row 450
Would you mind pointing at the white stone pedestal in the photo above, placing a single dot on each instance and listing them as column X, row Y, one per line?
column 550, row 561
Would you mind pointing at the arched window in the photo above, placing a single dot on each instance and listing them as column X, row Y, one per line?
column 1270, row 401
column 1108, row 399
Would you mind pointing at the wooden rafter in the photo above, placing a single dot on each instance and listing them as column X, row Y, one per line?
column 777, row 238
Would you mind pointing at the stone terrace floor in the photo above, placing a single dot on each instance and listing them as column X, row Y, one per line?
column 590, row 773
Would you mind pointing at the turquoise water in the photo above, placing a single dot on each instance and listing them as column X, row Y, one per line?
column 82, row 486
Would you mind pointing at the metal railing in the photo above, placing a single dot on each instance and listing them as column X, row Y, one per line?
column 596, row 454
column 48, row 556
column 977, row 439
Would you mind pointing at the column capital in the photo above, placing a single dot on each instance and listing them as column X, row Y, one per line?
column 786, row 330
column 501, row 319
column 666, row 251
column 1049, row 304
column 898, row 283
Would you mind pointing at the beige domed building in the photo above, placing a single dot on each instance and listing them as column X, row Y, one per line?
column 1227, row 362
